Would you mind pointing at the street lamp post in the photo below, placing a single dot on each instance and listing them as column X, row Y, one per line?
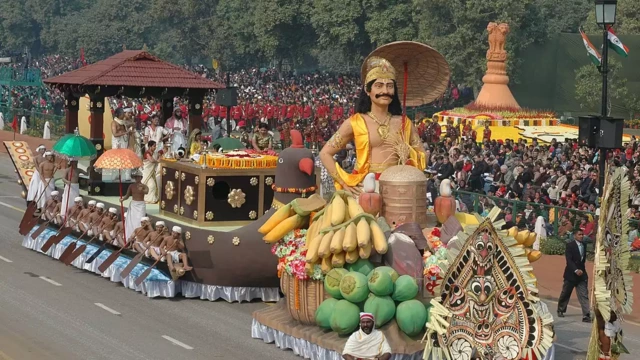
column 605, row 16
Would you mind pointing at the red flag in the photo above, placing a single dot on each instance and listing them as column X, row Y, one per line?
column 14, row 124
column 84, row 62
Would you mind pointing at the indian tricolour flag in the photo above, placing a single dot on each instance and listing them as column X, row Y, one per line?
column 616, row 44
column 594, row 55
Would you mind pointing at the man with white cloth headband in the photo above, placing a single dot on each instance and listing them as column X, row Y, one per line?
column 137, row 207
column 173, row 246
column 367, row 342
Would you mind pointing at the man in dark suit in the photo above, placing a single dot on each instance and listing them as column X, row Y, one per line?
column 575, row 276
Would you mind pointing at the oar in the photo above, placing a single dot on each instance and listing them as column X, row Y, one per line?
column 72, row 246
column 146, row 273
column 114, row 256
column 132, row 264
column 40, row 230
column 79, row 251
column 79, row 237
column 55, row 239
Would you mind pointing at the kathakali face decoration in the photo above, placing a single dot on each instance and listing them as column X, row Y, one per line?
column 485, row 300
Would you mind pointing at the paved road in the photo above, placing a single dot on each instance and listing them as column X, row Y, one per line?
column 51, row 311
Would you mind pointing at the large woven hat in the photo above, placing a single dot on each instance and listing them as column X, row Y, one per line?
column 428, row 71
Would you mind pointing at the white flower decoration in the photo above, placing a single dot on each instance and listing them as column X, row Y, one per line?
column 461, row 350
column 508, row 347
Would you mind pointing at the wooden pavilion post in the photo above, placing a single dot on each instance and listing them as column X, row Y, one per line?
column 195, row 111
column 96, row 135
column 72, row 105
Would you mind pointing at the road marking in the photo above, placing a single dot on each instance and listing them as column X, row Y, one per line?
column 50, row 281
column 5, row 259
column 569, row 348
column 179, row 343
column 11, row 207
column 104, row 307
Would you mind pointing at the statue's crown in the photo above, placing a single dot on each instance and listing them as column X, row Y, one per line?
column 379, row 68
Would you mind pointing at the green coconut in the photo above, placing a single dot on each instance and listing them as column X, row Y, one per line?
column 411, row 316
column 353, row 287
column 389, row 270
column 332, row 282
column 362, row 266
column 383, row 309
column 405, row 288
column 380, row 282
column 324, row 313
column 345, row 318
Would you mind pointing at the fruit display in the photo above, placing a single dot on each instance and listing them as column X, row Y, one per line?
column 376, row 290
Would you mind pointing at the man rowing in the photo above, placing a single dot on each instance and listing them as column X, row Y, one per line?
column 140, row 234
column 74, row 212
column 172, row 250
column 94, row 220
column 107, row 226
column 51, row 210
column 367, row 343
column 152, row 241
column 83, row 219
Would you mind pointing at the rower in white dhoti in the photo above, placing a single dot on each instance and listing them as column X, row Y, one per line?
column 137, row 207
column 177, row 127
column 36, row 179
column 71, row 187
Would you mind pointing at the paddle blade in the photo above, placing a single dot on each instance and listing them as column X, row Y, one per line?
column 127, row 270
column 40, row 230
column 74, row 255
column 143, row 276
column 95, row 255
column 28, row 213
column 27, row 225
column 55, row 239
column 110, row 260
column 67, row 251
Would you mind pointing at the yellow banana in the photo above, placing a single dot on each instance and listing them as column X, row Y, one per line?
column 325, row 246
column 363, row 233
column 338, row 210
column 326, row 218
column 326, row 265
column 337, row 260
column 291, row 223
column 311, row 232
column 312, row 249
column 350, row 241
column 337, row 240
column 279, row 216
column 365, row 252
column 353, row 207
column 351, row 257
column 378, row 238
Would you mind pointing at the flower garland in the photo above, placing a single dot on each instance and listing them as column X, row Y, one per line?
column 434, row 261
column 294, row 190
column 291, row 252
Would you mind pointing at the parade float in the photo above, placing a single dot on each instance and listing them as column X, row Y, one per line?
column 217, row 200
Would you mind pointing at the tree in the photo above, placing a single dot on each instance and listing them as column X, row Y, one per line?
column 627, row 19
column 389, row 21
column 589, row 86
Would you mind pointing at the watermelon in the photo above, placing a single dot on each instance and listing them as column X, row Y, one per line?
column 380, row 283
column 382, row 307
column 353, row 287
column 332, row 282
column 405, row 288
column 411, row 316
column 362, row 266
column 389, row 270
column 324, row 313
column 345, row 318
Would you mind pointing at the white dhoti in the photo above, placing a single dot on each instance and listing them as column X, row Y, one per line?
column 121, row 142
column 42, row 200
column 71, row 191
column 137, row 210
column 35, row 186
column 175, row 256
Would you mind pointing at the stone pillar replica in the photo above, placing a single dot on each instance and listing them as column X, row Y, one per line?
column 495, row 92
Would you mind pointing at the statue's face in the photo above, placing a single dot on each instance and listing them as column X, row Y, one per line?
column 382, row 92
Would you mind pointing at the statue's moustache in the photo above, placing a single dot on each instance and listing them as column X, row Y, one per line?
column 383, row 95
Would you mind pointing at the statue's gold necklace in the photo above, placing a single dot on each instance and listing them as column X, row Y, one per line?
column 383, row 127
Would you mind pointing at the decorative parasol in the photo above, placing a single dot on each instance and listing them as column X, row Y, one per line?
column 425, row 68
column 74, row 147
column 228, row 143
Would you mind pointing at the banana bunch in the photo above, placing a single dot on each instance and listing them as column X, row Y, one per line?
column 342, row 233
column 294, row 215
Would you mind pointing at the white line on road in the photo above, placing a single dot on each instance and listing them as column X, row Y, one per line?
column 104, row 307
column 569, row 348
column 179, row 343
column 50, row 281
column 11, row 207
column 5, row 259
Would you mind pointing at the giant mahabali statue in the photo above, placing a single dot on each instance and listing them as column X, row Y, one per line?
column 495, row 93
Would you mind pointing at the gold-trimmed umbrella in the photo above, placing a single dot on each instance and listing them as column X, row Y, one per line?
column 426, row 69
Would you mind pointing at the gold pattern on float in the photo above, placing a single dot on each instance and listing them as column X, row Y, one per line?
column 197, row 179
column 211, row 239
column 253, row 181
column 183, row 176
column 181, row 210
column 253, row 215
column 236, row 198
column 211, row 181
column 195, row 214
column 189, row 195
column 169, row 189
column 164, row 171
column 98, row 147
column 175, row 208
column 187, row 235
column 236, row 241
column 96, row 190
column 177, row 175
column 268, row 181
column 208, row 215
column 162, row 204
